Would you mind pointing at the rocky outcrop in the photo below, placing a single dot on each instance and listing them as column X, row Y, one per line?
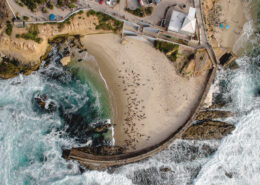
column 208, row 130
column 11, row 68
column 213, row 114
column 45, row 104
column 100, row 150
column 227, row 60
column 189, row 69
column 65, row 60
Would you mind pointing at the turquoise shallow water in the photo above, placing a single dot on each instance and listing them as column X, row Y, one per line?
column 32, row 138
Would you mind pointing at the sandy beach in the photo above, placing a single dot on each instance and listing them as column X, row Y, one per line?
column 150, row 100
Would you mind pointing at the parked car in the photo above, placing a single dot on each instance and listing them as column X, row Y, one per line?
column 141, row 2
column 108, row 2
column 101, row 1
column 149, row 1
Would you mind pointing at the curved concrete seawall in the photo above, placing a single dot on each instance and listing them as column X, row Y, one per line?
column 101, row 162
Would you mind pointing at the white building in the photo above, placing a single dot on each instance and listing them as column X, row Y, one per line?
column 176, row 21
column 183, row 23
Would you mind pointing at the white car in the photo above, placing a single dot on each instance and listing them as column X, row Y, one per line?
column 108, row 2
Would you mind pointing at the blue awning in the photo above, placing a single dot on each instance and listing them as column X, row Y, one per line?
column 52, row 17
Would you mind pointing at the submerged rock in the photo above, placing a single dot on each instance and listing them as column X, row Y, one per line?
column 46, row 105
column 208, row 130
column 213, row 114
column 165, row 169
column 99, row 128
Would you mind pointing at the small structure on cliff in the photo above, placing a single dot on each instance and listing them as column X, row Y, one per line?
column 19, row 24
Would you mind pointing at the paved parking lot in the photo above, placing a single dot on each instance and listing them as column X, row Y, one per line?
column 133, row 4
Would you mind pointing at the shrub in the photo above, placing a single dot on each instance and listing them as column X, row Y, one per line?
column 44, row 10
column 107, row 22
column 148, row 10
column 25, row 18
column 9, row 28
column 166, row 47
column 137, row 12
column 31, row 4
column 80, row 12
column 32, row 34
column 60, row 2
column 49, row 5
column 71, row 5
column 141, row 12
column 91, row 12
column 20, row 4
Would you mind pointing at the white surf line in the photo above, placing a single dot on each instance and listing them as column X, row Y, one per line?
column 113, row 138
column 112, row 127
column 103, row 78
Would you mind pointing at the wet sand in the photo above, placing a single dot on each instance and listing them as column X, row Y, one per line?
column 149, row 99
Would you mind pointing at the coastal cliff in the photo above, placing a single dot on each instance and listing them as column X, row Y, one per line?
column 29, row 45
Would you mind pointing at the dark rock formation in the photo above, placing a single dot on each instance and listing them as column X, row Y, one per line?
column 99, row 128
column 165, row 169
column 189, row 151
column 213, row 114
column 228, row 60
column 11, row 68
column 208, row 130
column 44, row 104
column 229, row 174
column 100, row 150
column 257, row 91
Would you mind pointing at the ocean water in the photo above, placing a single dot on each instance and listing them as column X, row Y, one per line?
column 32, row 137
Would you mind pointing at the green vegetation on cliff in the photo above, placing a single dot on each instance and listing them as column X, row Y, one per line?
column 33, row 4
column 213, row 114
column 208, row 129
column 9, row 28
column 169, row 49
column 106, row 22
column 32, row 34
column 141, row 12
